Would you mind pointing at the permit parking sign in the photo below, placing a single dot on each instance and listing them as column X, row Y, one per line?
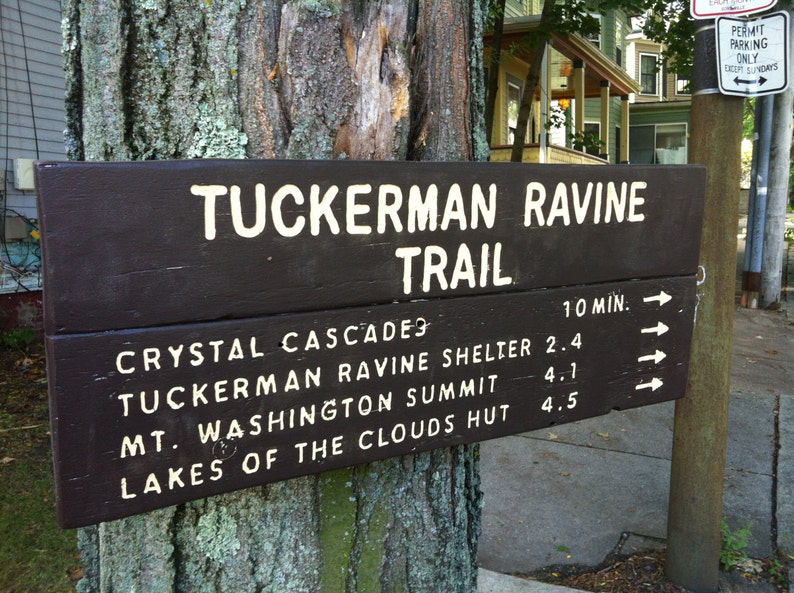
column 753, row 55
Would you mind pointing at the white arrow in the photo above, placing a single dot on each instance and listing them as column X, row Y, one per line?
column 656, row 358
column 662, row 297
column 658, row 329
column 653, row 385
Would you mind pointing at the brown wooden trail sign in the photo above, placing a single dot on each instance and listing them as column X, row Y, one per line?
column 251, row 321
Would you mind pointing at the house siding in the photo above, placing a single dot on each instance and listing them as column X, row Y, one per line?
column 674, row 115
column 592, row 113
column 515, row 8
column 31, row 96
column 32, row 121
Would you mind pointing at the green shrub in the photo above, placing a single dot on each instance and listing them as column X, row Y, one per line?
column 18, row 337
column 733, row 545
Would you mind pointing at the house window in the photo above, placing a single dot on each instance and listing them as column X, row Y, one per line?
column 592, row 131
column 616, row 152
column 664, row 144
column 558, row 130
column 649, row 74
column 619, row 44
column 595, row 38
column 671, row 144
column 514, row 92
column 682, row 85
column 513, row 103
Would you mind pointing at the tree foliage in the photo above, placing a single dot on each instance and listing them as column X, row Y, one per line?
column 671, row 24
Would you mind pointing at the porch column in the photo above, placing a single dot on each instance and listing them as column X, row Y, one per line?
column 624, row 129
column 545, row 95
column 578, row 95
column 605, row 118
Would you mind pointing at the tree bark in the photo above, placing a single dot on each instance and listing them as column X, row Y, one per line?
column 312, row 80
column 495, row 58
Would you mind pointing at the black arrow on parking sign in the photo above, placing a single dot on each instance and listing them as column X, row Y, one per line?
column 760, row 81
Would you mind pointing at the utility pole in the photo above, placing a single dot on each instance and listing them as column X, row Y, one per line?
column 701, row 416
column 780, row 159
column 757, row 210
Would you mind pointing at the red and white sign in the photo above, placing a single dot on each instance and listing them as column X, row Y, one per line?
column 709, row 9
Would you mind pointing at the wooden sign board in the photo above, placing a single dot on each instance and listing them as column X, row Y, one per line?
column 243, row 322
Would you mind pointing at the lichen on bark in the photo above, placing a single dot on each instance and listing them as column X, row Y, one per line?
column 152, row 80
column 216, row 534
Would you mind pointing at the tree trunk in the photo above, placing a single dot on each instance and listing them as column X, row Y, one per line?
column 536, row 50
column 314, row 80
column 495, row 59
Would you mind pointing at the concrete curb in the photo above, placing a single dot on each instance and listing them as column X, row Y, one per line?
column 493, row 582
column 785, row 475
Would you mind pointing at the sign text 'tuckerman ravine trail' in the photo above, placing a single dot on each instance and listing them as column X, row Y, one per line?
column 252, row 321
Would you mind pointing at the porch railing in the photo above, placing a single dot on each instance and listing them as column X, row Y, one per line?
column 554, row 155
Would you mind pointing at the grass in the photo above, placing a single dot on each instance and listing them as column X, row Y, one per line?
column 37, row 555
